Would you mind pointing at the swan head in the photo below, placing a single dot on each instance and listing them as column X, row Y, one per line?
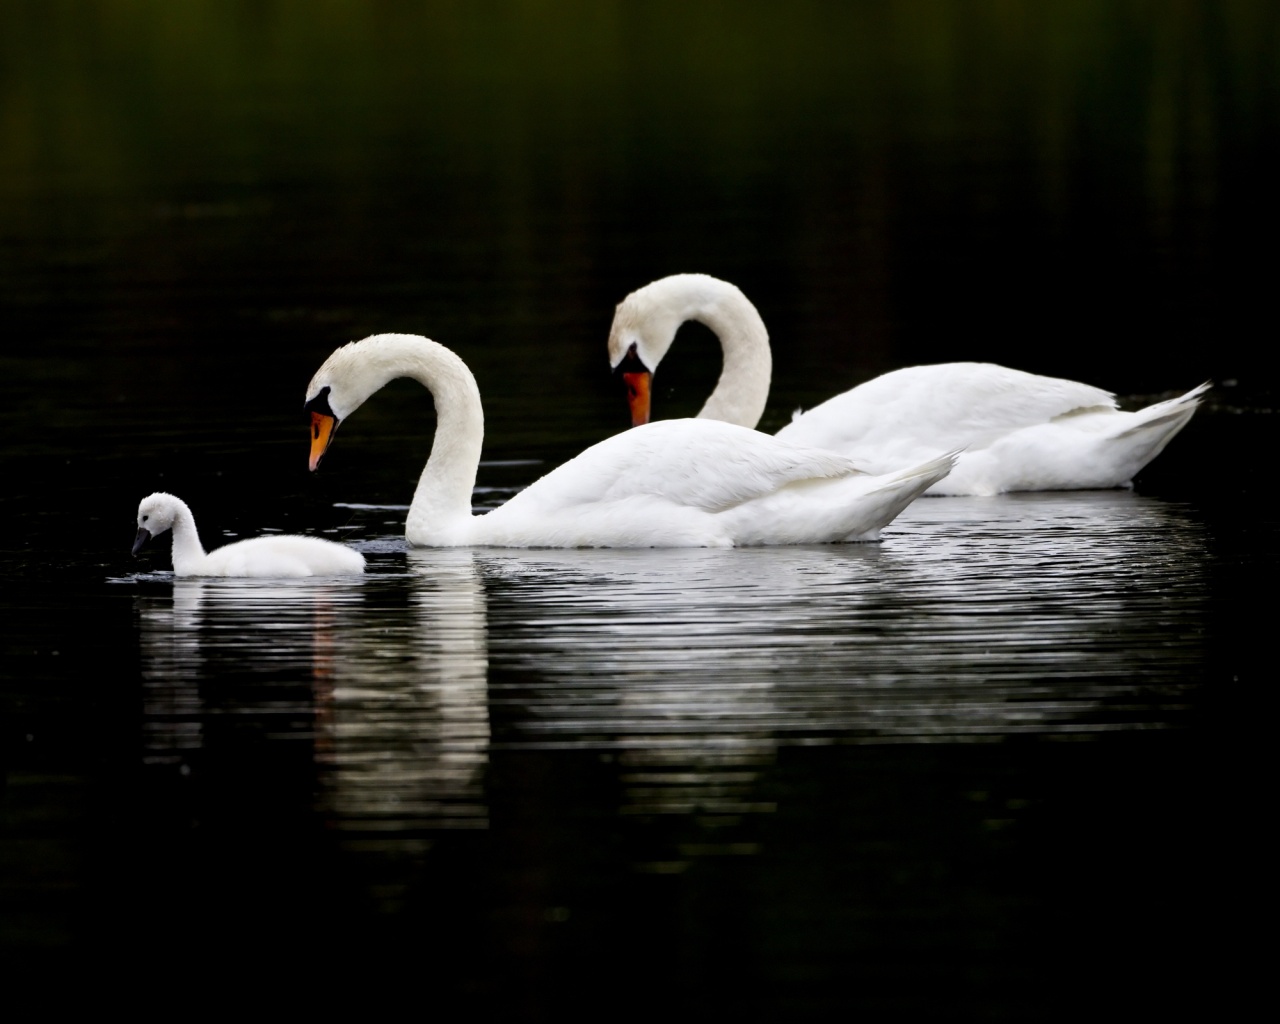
column 645, row 325
column 343, row 383
column 353, row 372
column 156, row 513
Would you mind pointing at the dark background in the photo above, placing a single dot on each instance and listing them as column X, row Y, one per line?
column 1083, row 189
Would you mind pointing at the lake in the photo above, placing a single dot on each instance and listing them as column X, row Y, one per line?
column 1003, row 764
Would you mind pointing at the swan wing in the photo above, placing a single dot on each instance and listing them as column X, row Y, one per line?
column 675, row 483
column 703, row 464
column 920, row 409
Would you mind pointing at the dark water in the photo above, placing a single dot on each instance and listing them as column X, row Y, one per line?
column 1007, row 764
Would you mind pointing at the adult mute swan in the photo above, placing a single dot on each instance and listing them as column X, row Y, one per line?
column 281, row 555
column 679, row 483
column 1018, row 431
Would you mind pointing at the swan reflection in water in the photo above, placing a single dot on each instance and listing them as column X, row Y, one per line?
column 384, row 676
column 410, row 726
column 976, row 618
column 1041, row 615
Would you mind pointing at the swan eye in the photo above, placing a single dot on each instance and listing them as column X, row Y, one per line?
column 145, row 518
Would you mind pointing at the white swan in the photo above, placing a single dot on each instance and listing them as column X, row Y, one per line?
column 680, row 483
column 280, row 555
column 1019, row 431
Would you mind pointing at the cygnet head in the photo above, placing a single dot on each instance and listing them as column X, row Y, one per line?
column 156, row 513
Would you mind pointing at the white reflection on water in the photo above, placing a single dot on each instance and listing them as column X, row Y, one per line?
column 1058, row 616
column 976, row 618
column 393, row 669
column 1046, row 615
column 218, row 647
column 408, row 725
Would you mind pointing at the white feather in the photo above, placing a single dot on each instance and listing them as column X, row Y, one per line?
column 1018, row 431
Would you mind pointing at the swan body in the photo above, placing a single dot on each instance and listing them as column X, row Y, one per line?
column 1019, row 431
column 679, row 483
column 277, row 555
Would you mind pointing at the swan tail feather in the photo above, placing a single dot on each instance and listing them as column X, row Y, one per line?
column 1122, row 455
column 899, row 491
column 1167, row 417
column 932, row 471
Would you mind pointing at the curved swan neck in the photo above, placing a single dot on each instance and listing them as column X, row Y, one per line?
column 188, row 552
column 742, row 391
column 441, row 507
column 442, row 500
column 649, row 318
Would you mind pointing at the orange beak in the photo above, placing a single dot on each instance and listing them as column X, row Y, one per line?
column 638, row 396
column 322, row 428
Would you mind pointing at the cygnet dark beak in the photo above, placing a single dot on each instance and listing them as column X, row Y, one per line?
column 144, row 535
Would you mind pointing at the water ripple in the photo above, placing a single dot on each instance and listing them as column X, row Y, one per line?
column 976, row 620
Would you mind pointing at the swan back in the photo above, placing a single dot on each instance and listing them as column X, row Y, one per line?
column 936, row 406
column 1020, row 431
column 282, row 555
column 704, row 483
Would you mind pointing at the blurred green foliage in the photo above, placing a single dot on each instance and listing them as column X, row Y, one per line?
column 126, row 93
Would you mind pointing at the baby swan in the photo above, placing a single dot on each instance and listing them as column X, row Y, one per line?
column 282, row 555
